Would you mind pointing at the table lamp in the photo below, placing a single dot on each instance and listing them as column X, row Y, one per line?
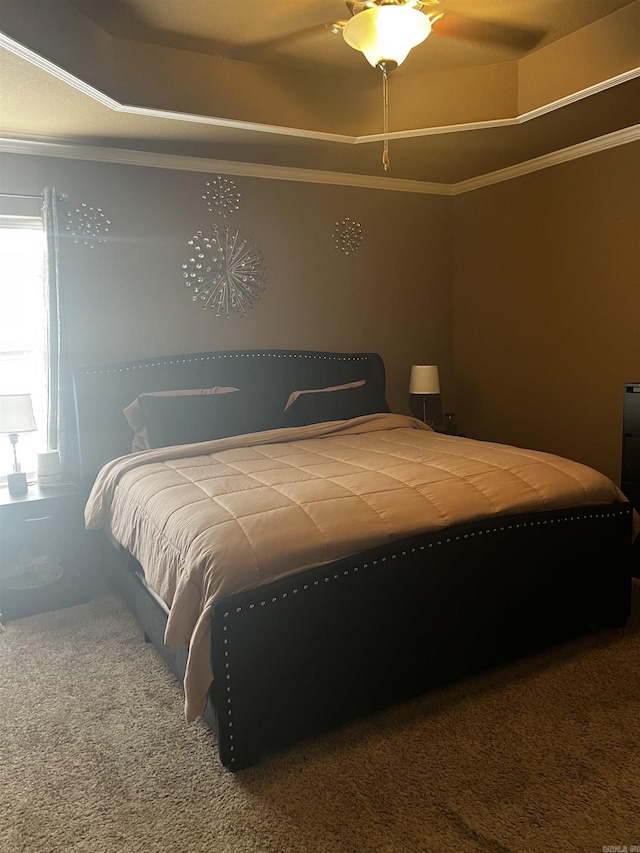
column 16, row 416
column 425, row 383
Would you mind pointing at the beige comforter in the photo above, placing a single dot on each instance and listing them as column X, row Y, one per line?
column 206, row 520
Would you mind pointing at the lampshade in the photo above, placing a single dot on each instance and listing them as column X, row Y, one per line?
column 386, row 34
column 425, row 379
column 16, row 413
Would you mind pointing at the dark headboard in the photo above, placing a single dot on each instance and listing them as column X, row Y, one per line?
column 102, row 392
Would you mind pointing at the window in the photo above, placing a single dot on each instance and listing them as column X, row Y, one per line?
column 23, row 330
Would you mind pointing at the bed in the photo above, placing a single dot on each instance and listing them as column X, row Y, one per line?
column 300, row 556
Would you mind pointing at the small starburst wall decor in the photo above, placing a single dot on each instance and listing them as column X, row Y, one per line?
column 88, row 225
column 225, row 272
column 347, row 236
column 221, row 196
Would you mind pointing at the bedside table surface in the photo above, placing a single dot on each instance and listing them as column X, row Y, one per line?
column 37, row 493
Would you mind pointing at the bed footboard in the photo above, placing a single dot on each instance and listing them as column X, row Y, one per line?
column 310, row 652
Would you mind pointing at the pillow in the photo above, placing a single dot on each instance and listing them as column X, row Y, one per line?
column 335, row 404
column 294, row 396
column 185, row 419
column 134, row 417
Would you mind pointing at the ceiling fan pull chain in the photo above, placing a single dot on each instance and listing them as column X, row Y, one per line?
column 385, row 106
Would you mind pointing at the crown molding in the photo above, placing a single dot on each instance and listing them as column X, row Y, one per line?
column 85, row 88
column 563, row 155
column 69, row 79
column 180, row 163
column 505, row 122
column 125, row 157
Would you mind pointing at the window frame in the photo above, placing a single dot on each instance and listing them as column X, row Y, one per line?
column 32, row 359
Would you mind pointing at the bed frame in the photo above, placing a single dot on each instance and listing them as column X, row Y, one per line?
column 310, row 652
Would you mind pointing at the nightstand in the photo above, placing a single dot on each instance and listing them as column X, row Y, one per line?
column 43, row 551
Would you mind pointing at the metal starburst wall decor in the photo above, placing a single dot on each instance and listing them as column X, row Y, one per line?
column 221, row 196
column 88, row 224
column 225, row 272
column 347, row 236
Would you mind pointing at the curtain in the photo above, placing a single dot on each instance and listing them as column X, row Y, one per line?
column 60, row 402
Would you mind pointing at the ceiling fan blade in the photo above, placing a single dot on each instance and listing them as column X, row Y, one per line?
column 255, row 51
column 493, row 33
column 121, row 19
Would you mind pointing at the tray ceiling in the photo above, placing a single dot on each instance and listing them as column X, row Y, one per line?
column 498, row 82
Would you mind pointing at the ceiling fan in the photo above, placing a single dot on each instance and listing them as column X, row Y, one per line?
column 453, row 24
column 445, row 21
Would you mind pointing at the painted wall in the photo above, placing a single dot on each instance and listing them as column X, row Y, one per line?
column 539, row 273
column 126, row 298
column 547, row 307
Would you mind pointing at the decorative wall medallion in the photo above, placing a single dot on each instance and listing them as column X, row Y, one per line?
column 88, row 224
column 347, row 236
column 221, row 196
column 226, row 273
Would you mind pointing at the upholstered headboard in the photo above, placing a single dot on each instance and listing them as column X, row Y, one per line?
column 270, row 376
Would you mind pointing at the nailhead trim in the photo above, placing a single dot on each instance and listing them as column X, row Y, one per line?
column 141, row 366
column 346, row 572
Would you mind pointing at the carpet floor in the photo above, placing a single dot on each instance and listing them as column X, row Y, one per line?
column 95, row 756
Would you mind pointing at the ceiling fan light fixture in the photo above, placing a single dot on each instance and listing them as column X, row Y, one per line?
column 385, row 34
